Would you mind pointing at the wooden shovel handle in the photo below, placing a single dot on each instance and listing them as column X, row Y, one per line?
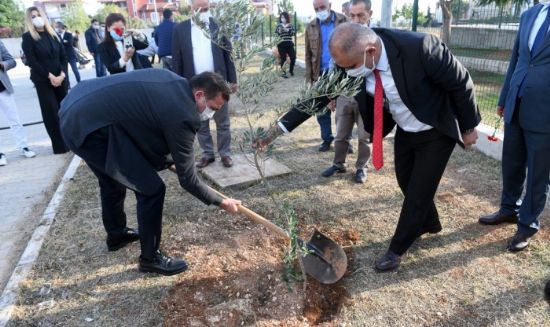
column 252, row 215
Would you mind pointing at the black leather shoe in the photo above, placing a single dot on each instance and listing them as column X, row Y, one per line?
column 498, row 218
column 390, row 261
column 162, row 264
column 333, row 169
column 431, row 229
column 520, row 241
column 547, row 292
column 325, row 146
column 115, row 243
column 360, row 176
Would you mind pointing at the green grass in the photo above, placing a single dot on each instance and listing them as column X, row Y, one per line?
column 488, row 87
column 493, row 54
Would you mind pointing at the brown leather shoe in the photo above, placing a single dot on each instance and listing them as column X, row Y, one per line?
column 227, row 162
column 205, row 162
column 498, row 218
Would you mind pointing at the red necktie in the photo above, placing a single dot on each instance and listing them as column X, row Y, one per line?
column 377, row 137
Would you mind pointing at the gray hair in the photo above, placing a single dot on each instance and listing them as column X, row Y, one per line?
column 368, row 4
column 352, row 37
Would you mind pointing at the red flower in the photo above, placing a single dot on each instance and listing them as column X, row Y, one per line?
column 492, row 138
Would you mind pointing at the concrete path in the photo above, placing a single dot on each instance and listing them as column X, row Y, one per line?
column 26, row 185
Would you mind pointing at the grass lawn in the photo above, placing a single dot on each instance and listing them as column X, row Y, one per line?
column 493, row 54
column 460, row 277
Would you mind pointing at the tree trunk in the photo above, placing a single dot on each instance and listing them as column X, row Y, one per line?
column 447, row 20
column 385, row 21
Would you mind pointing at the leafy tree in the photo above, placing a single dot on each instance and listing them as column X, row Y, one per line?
column 75, row 17
column 131, row 22
column 11, row 18
column 286, row 5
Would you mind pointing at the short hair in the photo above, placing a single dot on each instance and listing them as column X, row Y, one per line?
column 351, row 35
column 94, row 20
column 346, row 5
column 368, row 4
column 212, row 84
column 167, row 13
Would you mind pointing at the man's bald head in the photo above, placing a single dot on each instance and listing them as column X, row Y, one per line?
column 321, row 5
column 349, row 42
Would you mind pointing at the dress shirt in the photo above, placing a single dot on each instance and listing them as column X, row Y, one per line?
column 399, row 111
column 537, row 25
column 326, row 31
column 129, row 64
column 202, row 50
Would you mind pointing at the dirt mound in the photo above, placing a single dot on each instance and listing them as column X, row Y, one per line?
column 238, row 282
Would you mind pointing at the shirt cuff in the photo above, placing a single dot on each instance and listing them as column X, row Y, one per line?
column 282, row 127
column 121, row 63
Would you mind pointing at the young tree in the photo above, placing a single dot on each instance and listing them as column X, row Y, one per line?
column 446, row 9
column 75, row 17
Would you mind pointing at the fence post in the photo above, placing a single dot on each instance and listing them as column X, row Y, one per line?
column 295, row 32
column 270, row 31
column 263, row 35
column 415, row 15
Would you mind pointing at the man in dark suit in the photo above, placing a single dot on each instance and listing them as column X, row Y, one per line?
column 67, row 39
column 412, row 80
column 124, row 126
column 93, row 39
column 526, row 150
column 194, row 53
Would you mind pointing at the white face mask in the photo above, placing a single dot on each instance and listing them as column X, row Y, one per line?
column 323, row 15
column 38, row 22
column 94, row 26
column 207, row 114
column 362, row 70
column 283, row 20
column 205, row 17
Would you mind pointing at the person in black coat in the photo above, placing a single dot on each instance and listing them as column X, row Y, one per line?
column 125, row 126
column 94, row 37
column 427, row 93
column 46, row 58
column 68, row 45
column 115, row 55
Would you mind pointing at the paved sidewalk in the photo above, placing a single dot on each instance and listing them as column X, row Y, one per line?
column 26, row 184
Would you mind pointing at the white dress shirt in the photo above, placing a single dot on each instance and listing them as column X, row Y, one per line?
column 202, row 50
column 129, row 64
column 537, row 25
column 399, row 111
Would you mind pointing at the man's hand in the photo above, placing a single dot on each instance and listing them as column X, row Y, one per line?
column 234, row 87
column 272, row 134
column 332, row 105
column 500, row 111
column 230, row 205
column 469, row 139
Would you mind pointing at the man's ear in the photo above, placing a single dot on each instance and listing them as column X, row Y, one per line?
column 198, row 94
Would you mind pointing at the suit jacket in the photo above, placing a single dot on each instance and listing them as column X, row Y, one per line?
column 182, row 53
column 435, row 87
column 110, row 56
column 156, row 112
column 533, row 71
column 68, row 45
column 8, row 63
column 314, row 46
column 44, row 56
column 92, row 39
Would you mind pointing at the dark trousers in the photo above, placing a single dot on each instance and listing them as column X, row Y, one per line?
column 325, row 124
column 420, row 160
column 100, row 69
column 525, row 165
column 50, row 99
column 96, row 152
column 287, row 49
column 74, row 68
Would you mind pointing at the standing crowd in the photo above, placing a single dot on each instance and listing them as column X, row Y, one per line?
column 412, row 84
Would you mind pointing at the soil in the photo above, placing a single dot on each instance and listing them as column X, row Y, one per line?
column 243, row 285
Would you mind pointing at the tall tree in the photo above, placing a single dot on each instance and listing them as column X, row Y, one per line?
column 385, row 20
column 446, row 9
column 11, row 16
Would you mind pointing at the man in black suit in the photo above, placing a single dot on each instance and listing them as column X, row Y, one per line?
column 412, row 80
column 194, row 53
column 93, row 39
column 124, row 126
column 67, row 39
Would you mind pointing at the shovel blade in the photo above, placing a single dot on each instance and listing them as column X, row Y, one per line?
column 332, row 269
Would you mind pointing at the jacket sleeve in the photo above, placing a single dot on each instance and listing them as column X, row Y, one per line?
column 88, row 37
column 177, row 57
column 443, row 69
column 139, row 45
column 32, row 59
column 111, row 62
column 309, row 68
column 511, row 68
column 180, row 140
column 6, row 58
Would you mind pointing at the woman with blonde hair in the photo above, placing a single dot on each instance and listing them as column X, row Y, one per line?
column 46, row 58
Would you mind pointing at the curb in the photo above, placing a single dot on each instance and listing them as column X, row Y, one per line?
column 29, row 256
column 492, row 149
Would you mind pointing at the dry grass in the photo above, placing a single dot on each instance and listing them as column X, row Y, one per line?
column 461, row 277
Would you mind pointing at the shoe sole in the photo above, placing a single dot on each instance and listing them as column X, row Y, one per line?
column 378, row 270
column 509, row 220
column 162, row 272
column 516, row 249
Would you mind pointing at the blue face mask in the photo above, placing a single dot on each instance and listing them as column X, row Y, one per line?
column 116, row 37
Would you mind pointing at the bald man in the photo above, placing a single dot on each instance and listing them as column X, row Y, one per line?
column 412, row 81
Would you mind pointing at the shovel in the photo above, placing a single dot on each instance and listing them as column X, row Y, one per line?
column 325, row 261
